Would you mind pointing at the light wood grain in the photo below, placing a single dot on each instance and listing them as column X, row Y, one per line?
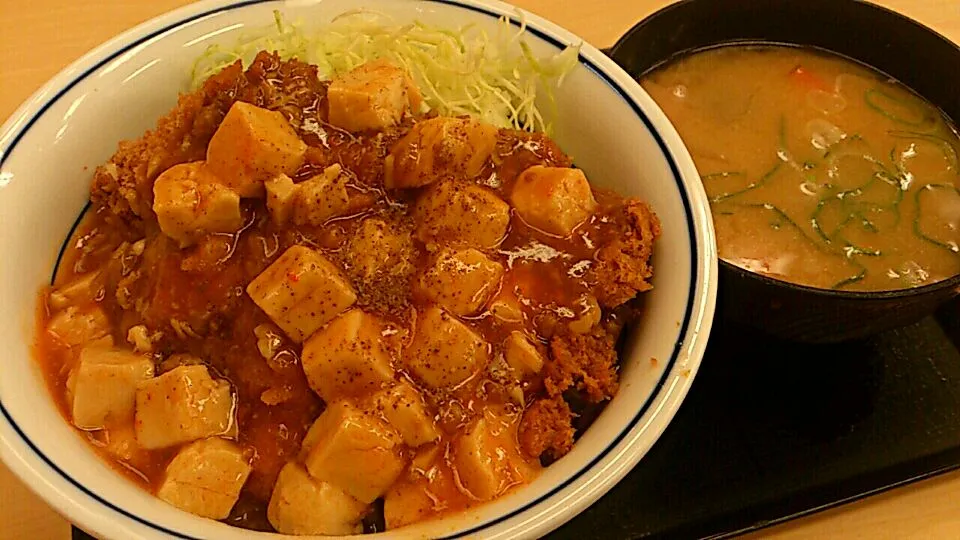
column 23, row 515
column 40, row 37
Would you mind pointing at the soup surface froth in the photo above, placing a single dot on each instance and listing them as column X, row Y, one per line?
column 820, row 171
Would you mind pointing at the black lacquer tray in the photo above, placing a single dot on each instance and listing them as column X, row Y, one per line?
column 774, row 430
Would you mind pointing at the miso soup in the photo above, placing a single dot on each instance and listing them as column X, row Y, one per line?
column 820, row 171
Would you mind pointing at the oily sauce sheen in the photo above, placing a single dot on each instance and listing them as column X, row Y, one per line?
column 190, row 303
column 820, row 171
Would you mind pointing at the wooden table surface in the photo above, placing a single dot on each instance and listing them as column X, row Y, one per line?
column 40, row 37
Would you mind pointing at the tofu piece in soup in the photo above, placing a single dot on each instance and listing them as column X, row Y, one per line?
column 505, row 308
column 205, row 478
column 460, row 280
column 182, row 405
column 301, row 291
column 347, row 358
column 353, row 450
column 281, row 195
column 444, row 351
column 312, row 202
column 380, row 248
column 302, row 505
column 412, row 498
column 404, row 409
column 321, row 197
column 121, row 443
column 486, row 458
column 406, row 503
column 79, row 326
column 522, row 355
column 463, row 214
column 437, row 148
column 105, row 386
column 190, row 203
column 81, row 290
column 251, row 146
column 372, row 96
column 553, row 199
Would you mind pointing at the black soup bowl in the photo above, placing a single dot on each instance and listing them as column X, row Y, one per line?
column 885, row 40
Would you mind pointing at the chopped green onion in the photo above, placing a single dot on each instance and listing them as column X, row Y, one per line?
column 749, row 187
column 851, row 280
column 949, row 152
column 950, row 246
column 897, row 109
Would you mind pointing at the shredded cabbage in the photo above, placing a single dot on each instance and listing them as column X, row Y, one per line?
column 495, row 78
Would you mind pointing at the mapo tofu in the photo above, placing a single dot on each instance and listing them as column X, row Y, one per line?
column 288, row 329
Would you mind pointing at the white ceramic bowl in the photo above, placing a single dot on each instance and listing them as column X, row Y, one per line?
column 615, row 132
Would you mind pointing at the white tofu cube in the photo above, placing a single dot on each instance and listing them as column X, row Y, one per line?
column 407, row 503
column 427, row 458
column 301, row 291
column 412, row 499
column 182, row 405
column 372, row 96
column 485, row 458
column 251, row 146
column 82, row 290
column 301, row 505
column 347, row 358
column 80, row 326
column 404, row 409
column 281, row 194
column 353, row 450
column 105, row 386
column 461, row 214
column 205, row 478
column 506, row 308
column 460, row 281
column 555, row 200
column 444, row 352
column 190, row 204
column 379, row 248
column 312, row 202
column 437, row 148
column 121, row 443
column 588, row 315
column 321, row 197
column 522, row 355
